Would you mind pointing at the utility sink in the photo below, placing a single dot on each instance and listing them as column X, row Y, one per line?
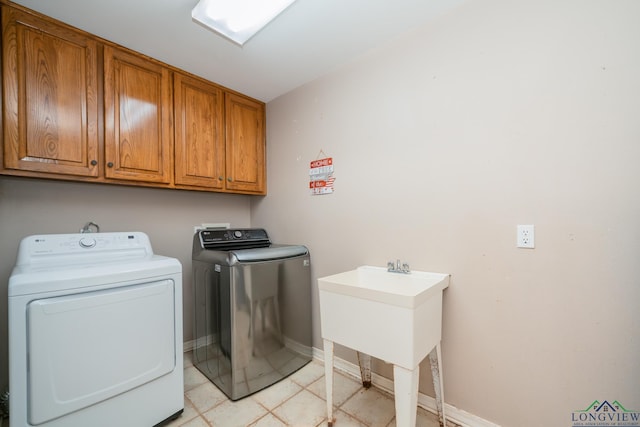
column 395, row 317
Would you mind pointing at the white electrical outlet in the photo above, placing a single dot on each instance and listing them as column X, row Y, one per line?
column 526, row 236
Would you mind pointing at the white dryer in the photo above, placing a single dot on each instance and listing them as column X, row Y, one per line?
column 95, row 332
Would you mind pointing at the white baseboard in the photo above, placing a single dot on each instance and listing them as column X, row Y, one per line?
column 188, row 345
column 452, row 413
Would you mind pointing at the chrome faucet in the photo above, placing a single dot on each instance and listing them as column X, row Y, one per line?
column 398, row 267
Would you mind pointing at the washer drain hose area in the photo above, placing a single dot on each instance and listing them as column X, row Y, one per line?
column 90, row 227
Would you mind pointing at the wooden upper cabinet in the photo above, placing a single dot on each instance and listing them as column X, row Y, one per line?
column 138, row 118
column 50, row 97
column 199, row 133
column 77, row 107
column 245, row 144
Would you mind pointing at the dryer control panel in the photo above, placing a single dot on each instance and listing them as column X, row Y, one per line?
column 95, row 247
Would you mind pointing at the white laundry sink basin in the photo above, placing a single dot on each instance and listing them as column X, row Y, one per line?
column 377, row 284
column 392, row 316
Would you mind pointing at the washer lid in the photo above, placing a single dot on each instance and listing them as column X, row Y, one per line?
column 273, row 252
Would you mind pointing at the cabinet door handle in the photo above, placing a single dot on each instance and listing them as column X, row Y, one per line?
column 110, row 164
column 94, row 162
column 220, row 178
column 229, row 179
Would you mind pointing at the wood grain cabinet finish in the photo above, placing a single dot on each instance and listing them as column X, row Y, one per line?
column 245, row 144
column 199, row 139
column 219, row 139
column 50, row 99
column 138, row 118
column 77, row 107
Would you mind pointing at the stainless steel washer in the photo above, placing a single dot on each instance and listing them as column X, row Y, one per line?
column 252, row 309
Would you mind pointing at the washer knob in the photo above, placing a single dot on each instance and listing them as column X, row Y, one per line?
column 87, row 242
column 237, row 234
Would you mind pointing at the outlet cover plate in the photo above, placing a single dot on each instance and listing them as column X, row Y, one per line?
column 204, row 225
column 526, row 237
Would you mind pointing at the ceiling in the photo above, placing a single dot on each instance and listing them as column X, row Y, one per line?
column 309, row 39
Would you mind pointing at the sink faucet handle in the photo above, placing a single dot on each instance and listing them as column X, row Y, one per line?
column 398, row 267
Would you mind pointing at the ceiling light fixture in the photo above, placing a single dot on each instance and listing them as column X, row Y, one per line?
column 237, row 20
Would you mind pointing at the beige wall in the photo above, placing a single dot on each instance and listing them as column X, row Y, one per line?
column 31, row 206
column 501, row 113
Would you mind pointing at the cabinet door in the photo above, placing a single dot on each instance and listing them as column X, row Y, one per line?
column 245, row 144
column 50, row 97
column 138, row 114
column 199, row 139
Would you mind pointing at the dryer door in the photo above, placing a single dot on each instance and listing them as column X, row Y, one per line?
column 85, row 348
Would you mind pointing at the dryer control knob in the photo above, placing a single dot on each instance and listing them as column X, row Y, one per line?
column 237, row 234
column 87, row 242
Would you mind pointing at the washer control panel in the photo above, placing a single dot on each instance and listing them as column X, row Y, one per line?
column 233, row 238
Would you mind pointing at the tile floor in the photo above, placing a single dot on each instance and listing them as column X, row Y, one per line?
column 298, row 400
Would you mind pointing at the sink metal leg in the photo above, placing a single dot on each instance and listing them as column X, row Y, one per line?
column 435, row 359
column 405, row 389
column 364, row 360
column 328, row 376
